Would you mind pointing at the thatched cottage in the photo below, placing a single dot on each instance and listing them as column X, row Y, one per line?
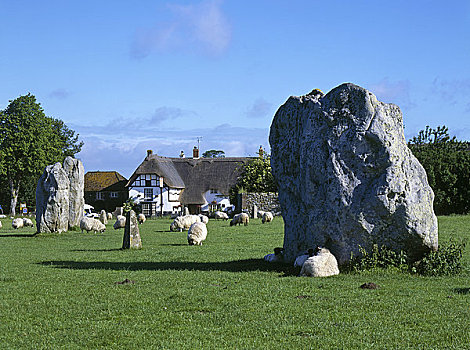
column 166, row 185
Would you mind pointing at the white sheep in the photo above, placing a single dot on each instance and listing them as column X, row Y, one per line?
column 267, row 217
column 27, row 222
column 90, row 224
column 276, row 257
column 322, row 264
column 0, row 224
column 103, row 217
column 120, row 222
column 141, row 218
column 260, row 213
column 241, row 218
column 204, row 219
column 197, row 233
column 220, row 215
column 109, row 216
column 299, row 261
column 184, row 222
column 17, row 223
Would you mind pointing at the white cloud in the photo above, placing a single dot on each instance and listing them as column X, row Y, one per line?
column 196, row 27
column 259, row 109
column 60, row 94
column 397, row 92
column 453, row 91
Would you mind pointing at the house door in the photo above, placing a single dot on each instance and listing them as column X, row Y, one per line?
column 194, row 209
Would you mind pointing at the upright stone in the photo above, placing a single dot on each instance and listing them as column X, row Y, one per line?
column 347, row 178
column 186, row 211
column 76, row 174
column 52, row 200
column 255, row 211
column 103, row 217
column 131, row 238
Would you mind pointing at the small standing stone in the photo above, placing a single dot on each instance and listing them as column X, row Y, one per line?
column 131, row 238
column 255, row 211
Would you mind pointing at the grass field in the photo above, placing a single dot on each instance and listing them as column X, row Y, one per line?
column 60, row 291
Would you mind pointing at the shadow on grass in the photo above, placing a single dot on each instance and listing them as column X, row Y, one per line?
column 231, row 266
column 20, row 235
column 461, row 290
column 96, row 250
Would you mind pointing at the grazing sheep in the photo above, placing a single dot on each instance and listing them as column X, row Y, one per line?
column 276, row 257
column 204, row 219
column 90, row 224
column 261, row 213
column 197, row 233
column 141, row 218
column 120, row 222
column 184, row 222
column 241, row 218
column 103, row 217
column 267, row 217
column 322, row 264
column 27, row 222
column 299, row 261
column 220, row 215
column 109, row 216
column 17, row 223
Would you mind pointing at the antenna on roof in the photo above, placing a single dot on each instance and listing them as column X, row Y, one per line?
column 198, row 140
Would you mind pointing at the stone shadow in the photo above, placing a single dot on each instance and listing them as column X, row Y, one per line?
column 461, row 290
column 19, row 235
column 231, row 266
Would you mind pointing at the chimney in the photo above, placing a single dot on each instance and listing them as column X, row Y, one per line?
column 195, row 152
column 182, row 154
column 261, row 151
column 149, row 152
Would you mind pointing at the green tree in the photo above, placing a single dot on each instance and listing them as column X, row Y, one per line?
column 29, row 140
column 256, row 177
column 446, row 161
column 213, row 154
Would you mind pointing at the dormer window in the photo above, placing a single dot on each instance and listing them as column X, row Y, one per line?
column 213, row 190
column 146, row 180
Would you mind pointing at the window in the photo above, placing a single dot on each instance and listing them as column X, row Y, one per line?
column 213, row 190
column 114, row 195
column 148, row 194
column 99, row 196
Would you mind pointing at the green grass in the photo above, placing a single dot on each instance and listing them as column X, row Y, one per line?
column 60, row 291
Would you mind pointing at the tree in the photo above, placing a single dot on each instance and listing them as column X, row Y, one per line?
column 213, row 154
column 29, row 140
column 256, row 177
column 446, row 161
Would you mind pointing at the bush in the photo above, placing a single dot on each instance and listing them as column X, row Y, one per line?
column 447, row 260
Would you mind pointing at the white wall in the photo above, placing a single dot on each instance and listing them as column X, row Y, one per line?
column 221, row 200
column 168, row 206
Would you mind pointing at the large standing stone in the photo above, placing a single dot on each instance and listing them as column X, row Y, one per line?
column 76, row 174
column 131, row 238
column 103, row 217
column 52, row 200
column 347, row 178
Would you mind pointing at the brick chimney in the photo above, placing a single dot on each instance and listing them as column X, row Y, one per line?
column 195, row 152
column 149, row 153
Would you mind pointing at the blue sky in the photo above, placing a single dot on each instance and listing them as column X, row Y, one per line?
column 135, row 75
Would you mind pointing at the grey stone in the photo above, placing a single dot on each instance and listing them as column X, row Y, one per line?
column 103, row 217
column 131, row 238
column 255, row 211
column 347, row 178
column 76, row 174
column 52, row 200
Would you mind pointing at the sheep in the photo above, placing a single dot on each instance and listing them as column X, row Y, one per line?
column 220, row 215
column 276, row 257
column 0, row 224
column 141, row 218
column 241, row 218
column 120, row 222
column 27, row 222
column 184, row 222
column 267, row 217
column 17, row 223
column 197, row 233
column 322, row 264
column 103, row 217
column 299, row 261
column 260, row 213
column 90, row 224
column 109, row 216
column 204, row 219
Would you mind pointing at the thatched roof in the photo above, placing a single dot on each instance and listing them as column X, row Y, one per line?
column 162, row 166
column 195, row 176
column 104, row 180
